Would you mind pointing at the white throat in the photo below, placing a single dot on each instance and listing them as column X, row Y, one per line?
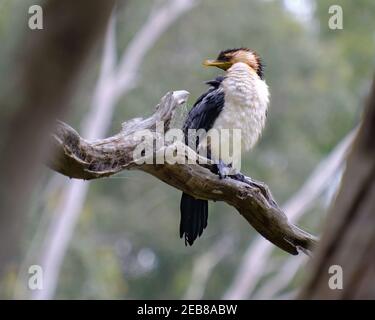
column 246, row 102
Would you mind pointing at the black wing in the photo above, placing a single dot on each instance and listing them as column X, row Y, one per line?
column 206, row 109
column 194, row 212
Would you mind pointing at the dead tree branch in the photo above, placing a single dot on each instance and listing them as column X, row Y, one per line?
column 82, row 159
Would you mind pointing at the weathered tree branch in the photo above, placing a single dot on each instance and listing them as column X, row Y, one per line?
column 78, row 158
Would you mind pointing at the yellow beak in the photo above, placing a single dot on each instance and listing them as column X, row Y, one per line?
column 213, row 63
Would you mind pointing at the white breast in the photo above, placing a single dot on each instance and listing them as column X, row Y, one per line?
column 246, row 102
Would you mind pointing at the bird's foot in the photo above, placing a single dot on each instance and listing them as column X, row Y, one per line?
column 239, row 176
column 223, row 170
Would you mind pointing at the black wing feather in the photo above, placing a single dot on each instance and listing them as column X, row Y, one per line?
column 207, row 108
column 194, row 212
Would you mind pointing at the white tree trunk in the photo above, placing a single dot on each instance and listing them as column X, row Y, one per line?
column 114, row 82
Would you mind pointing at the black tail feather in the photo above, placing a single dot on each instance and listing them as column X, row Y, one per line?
column 194, row 214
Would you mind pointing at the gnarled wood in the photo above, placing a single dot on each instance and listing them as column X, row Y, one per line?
column 78, row 158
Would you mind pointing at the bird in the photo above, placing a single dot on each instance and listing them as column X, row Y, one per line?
column 238, row 99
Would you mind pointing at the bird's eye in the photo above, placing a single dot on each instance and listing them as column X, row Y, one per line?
column 223, row 57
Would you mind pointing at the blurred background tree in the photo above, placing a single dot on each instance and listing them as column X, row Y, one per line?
column 126, row 243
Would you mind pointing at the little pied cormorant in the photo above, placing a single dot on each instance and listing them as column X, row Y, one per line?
column 238, row 100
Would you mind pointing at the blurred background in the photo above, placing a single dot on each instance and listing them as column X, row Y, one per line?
column 117, row 238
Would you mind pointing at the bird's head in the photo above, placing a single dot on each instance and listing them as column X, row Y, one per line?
column 229, row 57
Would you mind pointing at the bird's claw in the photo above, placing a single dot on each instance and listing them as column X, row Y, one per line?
column 222, row 175
column 223, row 170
